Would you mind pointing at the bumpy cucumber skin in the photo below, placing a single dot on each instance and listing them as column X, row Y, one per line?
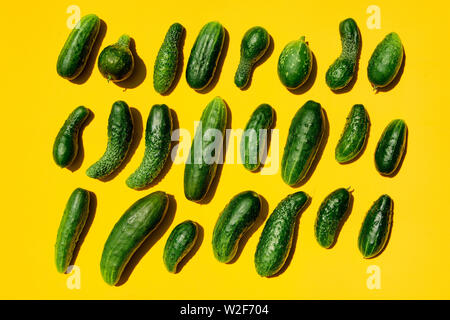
column 120, row 134
column 157, row 146
column 354, row 135
column 70, row 228
column 75, row 52
column 276, row 238
column 376, row 227
column 166, row 64
column 341, row 72
column 238, row 216
column 205, row 55
column 130, row 232
column 304, row 138
column 198, row 174
column 390, row 147
column 181, row 240
column 254, row 45
column 330, row 215
column 65, row 147
column 385, row 61
column 253, row 140
column 116, row 62
column 295, row 64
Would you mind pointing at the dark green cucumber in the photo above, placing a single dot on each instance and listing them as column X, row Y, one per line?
column 254, row 45
column 166, row 64
column 75, row 52
column 330, row 216
column 116, row 62
column 254, row 136
column 376, row 227
column 238, row 216
column 70, row 228
column 385, row 61
column 120, row 134
column 354, row 135
column 157, row 146
column 391, row 147
column 65, row 147
column 130, row 232
column 181, row 240
column 295, row 64
column 203, row 157
column 277, row 236
column 205, row 55
column 304, row 138
column 341, row 72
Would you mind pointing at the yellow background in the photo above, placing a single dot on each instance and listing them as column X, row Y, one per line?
column 36, row 101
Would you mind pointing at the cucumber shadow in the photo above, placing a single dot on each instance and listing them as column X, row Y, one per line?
column 343, row 220
column 179, row 73
column 267, row 146
column 139, row 73
column 397, row 169
column 310, row 81
column 193, row 251
column 78, row 161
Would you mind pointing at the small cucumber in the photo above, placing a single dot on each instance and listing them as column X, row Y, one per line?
column 238, row 216
column 180, row 242
column 276, row 238
column 391, row 147
column 70, row 228
column 65, row 147
column 254, row 137
column 157, row 146
column 130, row 232
column 354, row 135
column 254, row 45
column 341, row 72
column 120, row 133
column 116, row 62
column 330, row 216
column 376, row 227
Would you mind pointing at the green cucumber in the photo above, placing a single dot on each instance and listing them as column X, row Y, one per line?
column 205, row 151
column 180, row 242
column 330, row 216
column 65, row 147
column 70, row 228
column 385, row 61
column 78, row 46
column 116, row 62
column 205, row 55
column 157, row 146
column 304, row 138
column 166, row 64
column 343, row 69
column 237, row 218
column 130, row 232
column 120, row 134
column 277, row 236
column 376, row 227
column 254, row 136
column 354, row 135
column 391, row 147
column 254, row 45
column 295, row 64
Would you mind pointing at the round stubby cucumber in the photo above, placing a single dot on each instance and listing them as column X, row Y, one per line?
column 376, row 227
column 180, row 242
column 65, row 147
column 70, row 228
column 238, row 216
column 276, row 238
column 391, row 147
column 120, row 134
column 116, row 62
column 130, row 232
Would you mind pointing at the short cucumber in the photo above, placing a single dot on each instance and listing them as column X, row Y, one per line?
column 238, row 216
column 391, row 147
column 116, row 62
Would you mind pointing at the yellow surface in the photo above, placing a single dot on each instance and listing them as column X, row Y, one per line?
column 36, row 102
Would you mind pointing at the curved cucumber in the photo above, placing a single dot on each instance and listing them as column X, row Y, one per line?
column 120, row 133
column 130, row 232
column 391, row 147
column 295, row 64
column 157, row 146
column 238, row 216
column 65, row 147
column 116, row 62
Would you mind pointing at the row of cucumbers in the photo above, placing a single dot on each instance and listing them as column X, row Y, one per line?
column 116, row 62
